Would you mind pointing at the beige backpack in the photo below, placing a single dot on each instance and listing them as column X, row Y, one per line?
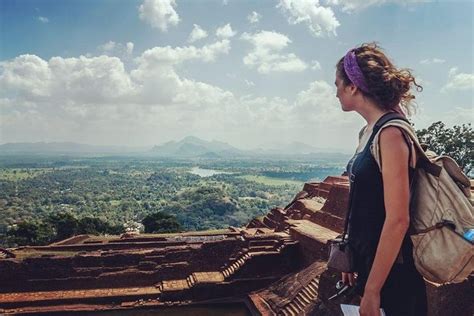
column 441, row 210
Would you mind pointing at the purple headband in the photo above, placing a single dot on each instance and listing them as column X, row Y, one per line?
column 353, row 71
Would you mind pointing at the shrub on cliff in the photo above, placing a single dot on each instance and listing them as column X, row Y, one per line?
column 64, row 223
column 32, row 233
column 161, row 222
column 97, row 226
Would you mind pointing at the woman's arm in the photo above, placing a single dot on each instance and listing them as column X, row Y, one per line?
column 394, row 156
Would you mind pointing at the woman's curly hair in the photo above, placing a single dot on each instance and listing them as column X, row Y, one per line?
column 388, row 86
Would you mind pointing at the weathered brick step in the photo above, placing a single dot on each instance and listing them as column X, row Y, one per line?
column 284, row 313
column 154, row 257
column 173, row 285
column 190, row 281
column 49, row 310
column 93, row 271
column 262, row 253
column 289, row 242
column 49, row 298
column 4, row 254
column 311, row 290
column 292, row 307
column 234, row 266
column 325, row 186
column 260, row 248
column 328, row 221
column 269, row 222
column 322, row 193
column 275, row 216
column 318, row 233
column 305, row 296
column 110, row 246
column 263, row 242
column 255, row 251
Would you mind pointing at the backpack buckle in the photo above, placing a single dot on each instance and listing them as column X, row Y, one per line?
column 352, row 178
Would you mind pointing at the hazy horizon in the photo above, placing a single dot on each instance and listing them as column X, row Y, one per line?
column 244, row 73
column 268, row 147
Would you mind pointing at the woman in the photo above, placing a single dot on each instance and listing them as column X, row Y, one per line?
column 385, row 275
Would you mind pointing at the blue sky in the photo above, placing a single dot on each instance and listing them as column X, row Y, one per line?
column 130, row 73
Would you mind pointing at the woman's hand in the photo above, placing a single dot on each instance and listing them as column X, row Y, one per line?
column 370, row 304
column 349, row 278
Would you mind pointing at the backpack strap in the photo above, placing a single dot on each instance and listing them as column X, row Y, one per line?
column 423, row 162
column 389, row 117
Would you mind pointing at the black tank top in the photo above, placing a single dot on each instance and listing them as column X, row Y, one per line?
column 367, row 208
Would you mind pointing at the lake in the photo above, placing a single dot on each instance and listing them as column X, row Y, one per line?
column 206, row 172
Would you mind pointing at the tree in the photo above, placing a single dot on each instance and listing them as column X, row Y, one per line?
column 161, row 222
column 91, row 225
column 64, row 223
column 97, row 226
column 31, row 233
column 456, row 142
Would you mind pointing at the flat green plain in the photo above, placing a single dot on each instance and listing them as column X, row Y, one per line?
column 271, row 181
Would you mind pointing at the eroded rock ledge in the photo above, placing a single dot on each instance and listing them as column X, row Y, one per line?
column 275, row 265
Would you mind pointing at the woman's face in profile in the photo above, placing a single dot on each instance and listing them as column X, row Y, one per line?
column 342, row 93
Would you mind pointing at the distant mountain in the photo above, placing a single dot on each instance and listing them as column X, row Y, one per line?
column 210, row 155
column 188, row 147
column 63, row 148
column 191, row 146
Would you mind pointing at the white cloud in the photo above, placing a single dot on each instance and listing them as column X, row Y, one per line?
column 319, row 104
column 100, row 79
column 159, row 13
column 225, row 31
column 43, row 19
column 160, row 84
column 459, row 115
column 458, row 81
column 454, row 115
column 103, row 80
column 254, row 17
column 249, row 83
column 196, row 34
column 26, row 75
column 111, row 48
column 314, row 114
column 266, row 54
column 431, row 61
column 357, row 5
column 176, row 55
column 130, row 47
column 95, row 100
column 315, row 65
column 320, row 20
column 107, row 47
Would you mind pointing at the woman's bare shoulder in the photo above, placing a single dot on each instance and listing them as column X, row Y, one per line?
column 393, row 145
column 391, row 134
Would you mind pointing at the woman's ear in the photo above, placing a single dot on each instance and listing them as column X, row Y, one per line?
column 352, row 88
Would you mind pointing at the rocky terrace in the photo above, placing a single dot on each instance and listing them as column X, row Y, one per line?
column 275, row 265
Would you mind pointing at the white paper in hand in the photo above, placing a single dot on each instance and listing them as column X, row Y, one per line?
column 353, row 310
